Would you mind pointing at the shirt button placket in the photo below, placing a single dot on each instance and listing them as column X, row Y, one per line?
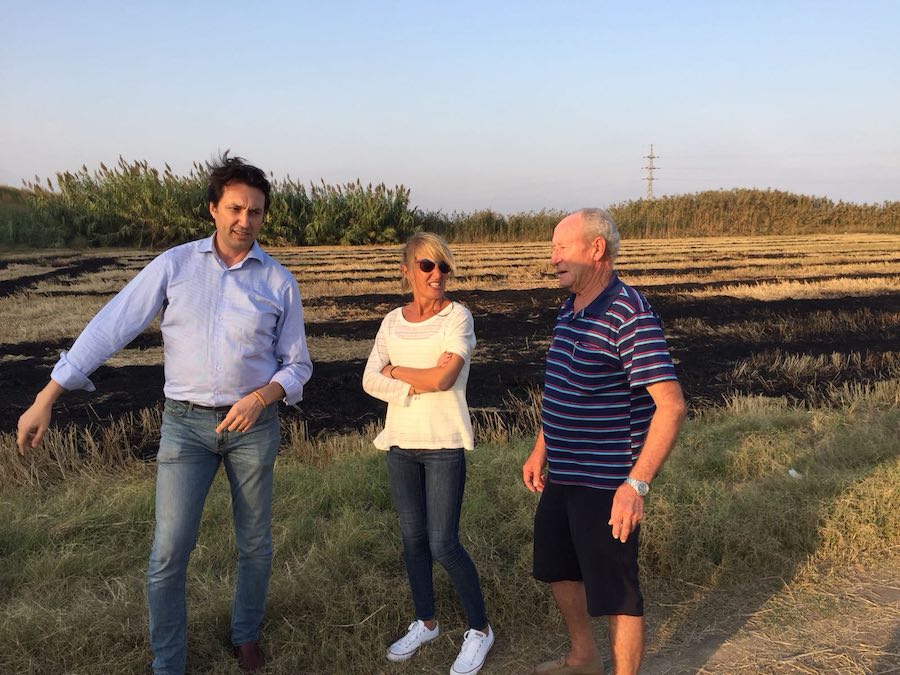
column 218, row 342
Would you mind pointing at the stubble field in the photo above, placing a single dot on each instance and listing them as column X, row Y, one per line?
column 788, row 349
column 801, row 317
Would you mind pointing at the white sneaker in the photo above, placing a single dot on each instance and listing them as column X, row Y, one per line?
column 418, row 634
column 475, row 648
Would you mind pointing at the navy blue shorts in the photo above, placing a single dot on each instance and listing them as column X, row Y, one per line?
column 573, row 542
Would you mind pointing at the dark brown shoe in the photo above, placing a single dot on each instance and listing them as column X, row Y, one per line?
column 250, row 657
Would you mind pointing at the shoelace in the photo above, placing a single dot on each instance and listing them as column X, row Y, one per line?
column 413, row 636
column 472, row 640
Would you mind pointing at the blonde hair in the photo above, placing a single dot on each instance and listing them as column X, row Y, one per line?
column 431, row 246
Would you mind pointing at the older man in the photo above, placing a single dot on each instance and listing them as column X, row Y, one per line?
column 235, row 345
column 611, row 411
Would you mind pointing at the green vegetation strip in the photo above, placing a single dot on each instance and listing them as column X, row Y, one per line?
column 753, row 494
column 134, row 204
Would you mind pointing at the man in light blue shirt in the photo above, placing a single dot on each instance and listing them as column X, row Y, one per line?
column 235, row 345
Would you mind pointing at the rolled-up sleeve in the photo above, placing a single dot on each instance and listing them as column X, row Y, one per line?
column 295, row 366
column 120, row 321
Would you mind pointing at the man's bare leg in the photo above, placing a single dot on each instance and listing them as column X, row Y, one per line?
column 626, row 641
column 572, row 603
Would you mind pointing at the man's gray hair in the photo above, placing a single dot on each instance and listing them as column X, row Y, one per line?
column 598, row 223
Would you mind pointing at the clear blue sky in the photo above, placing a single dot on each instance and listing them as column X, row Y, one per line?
column 508, row 105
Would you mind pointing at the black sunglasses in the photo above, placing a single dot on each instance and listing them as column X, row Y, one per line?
column 427, row 266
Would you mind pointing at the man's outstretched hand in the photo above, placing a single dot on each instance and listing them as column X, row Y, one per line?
column 34, row 422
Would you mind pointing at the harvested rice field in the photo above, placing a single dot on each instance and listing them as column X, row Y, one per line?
column 805, row 317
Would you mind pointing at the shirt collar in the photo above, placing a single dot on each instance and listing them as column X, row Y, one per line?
column 601, row 303
column 207, row 246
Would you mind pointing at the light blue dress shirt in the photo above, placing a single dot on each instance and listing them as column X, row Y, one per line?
column 227, row 331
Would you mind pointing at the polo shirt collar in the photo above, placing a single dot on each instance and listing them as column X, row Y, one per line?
column 601, row 303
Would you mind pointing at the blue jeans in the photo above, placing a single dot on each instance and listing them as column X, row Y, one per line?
column 427, row 487
column 190, row 452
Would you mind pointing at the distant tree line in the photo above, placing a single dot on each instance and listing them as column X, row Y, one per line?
column 133, row 204
column 751, row 212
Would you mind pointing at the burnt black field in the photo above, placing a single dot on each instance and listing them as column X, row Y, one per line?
column 512, row 327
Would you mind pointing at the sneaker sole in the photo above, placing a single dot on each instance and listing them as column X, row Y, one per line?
column 474, row 671
column 399, row 658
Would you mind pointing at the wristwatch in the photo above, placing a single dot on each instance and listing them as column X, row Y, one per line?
column 639, row 486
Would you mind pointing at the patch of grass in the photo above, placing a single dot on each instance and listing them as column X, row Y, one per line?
column 824, row 620
column 818, row 326
column 728, row 503
column 832, row 288
column 327, row 348
column 725, row 519
column 773, row 369
column 40, row 319
column 75, row 451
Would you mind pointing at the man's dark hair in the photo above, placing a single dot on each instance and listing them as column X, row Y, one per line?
column 235, row 170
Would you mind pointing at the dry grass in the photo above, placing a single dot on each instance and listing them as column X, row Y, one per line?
column 777, row 328
column 325, row 348
column 335, row 312
column 152, row 356
column 824, row 620
column 507, row 266
column 773, row 368
column 14, row 270
column 850, row 395
column 746, row 569
column 763, row 268
column 783, row 290
column 73, row 452
column 115, row 444
column 104, row 282
column 750, row 274
column 32, row 318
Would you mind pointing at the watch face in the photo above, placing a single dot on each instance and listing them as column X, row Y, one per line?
column 639, row 486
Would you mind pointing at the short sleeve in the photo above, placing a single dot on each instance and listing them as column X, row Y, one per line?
column 459, row 335
column 644, row 351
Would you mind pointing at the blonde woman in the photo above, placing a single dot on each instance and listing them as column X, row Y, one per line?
column 419, row 366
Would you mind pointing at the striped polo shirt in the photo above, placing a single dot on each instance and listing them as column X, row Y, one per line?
column 596, row 409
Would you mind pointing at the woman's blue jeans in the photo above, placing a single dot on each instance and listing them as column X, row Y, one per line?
column 190, row 452
column 427, row 487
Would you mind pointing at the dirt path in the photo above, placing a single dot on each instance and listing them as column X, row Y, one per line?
column 815, row 624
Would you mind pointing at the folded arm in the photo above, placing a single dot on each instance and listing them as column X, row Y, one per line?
column 374, row 381
column 439, row 377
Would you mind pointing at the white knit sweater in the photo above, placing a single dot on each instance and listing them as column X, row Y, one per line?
column 428, row 421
